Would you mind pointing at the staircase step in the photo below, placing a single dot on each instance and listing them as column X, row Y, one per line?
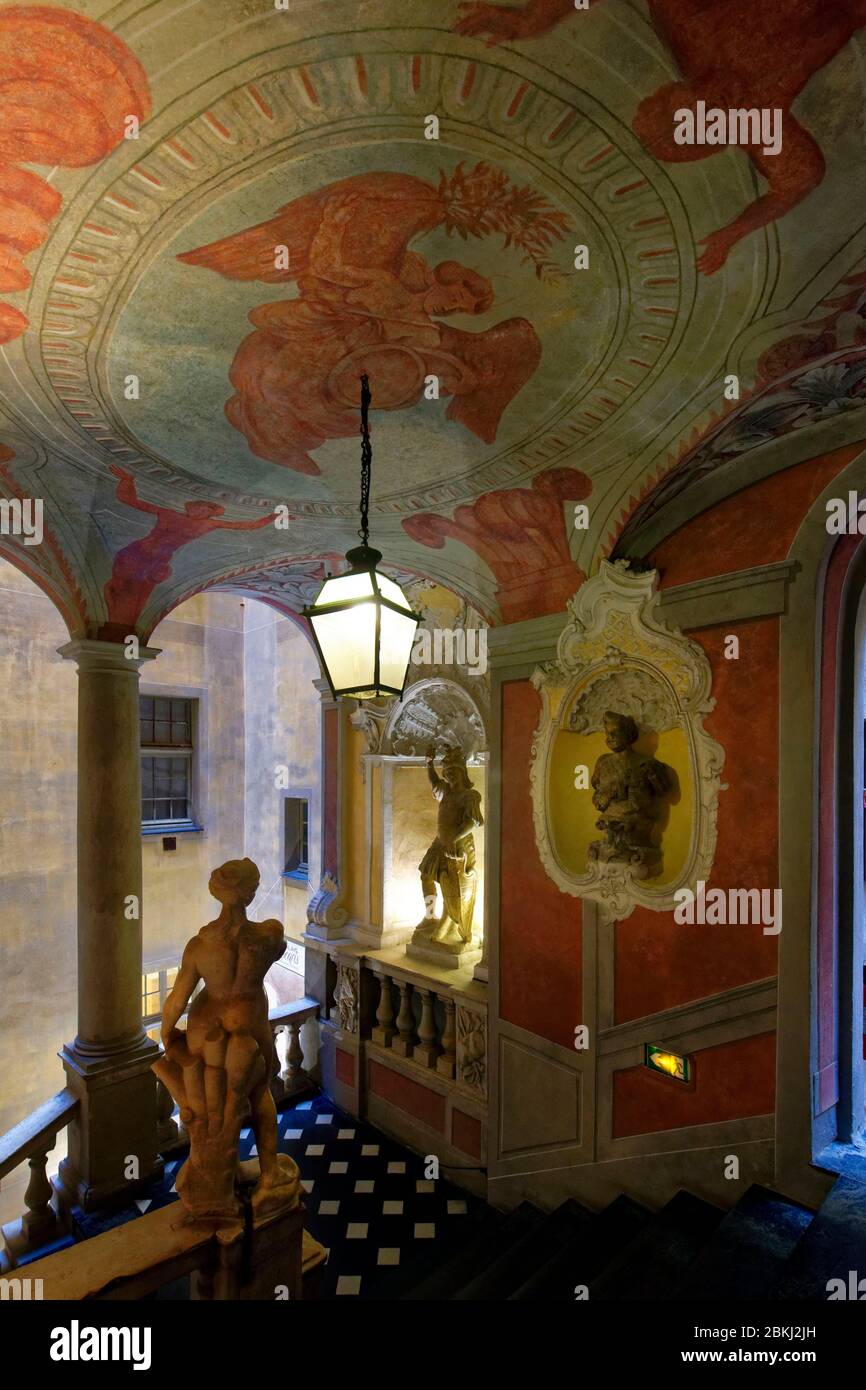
column 652, row 1264
column 832, row 1246
column 443, row 1280
column 747, row 1253
column 591, row 1247
column 542, row 1241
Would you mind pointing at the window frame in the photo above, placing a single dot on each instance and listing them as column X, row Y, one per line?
column 190, row 822
column 300, row 874
column 161, row 968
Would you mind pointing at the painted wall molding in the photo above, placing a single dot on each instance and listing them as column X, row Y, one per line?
column 743, row 595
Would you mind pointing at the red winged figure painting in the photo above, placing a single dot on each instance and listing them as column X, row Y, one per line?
column 730, row 53
column 367, row 303
column 68, row 90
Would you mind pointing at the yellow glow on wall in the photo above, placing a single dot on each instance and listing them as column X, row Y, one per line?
column 375, row 774
column 354, row 822
column 413, row 828
column 573, row 816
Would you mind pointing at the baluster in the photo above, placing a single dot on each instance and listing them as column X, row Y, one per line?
column 294, row 1076
column 404, row 1043
column 6, row 1261
column 276, row 1082
column 446, row 1062
column 427, row 1049
column 383, row 1033
column 39, row 1222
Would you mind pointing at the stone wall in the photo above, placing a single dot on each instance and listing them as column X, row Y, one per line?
column 202, row 658
column 282, row 732
column 38, row 724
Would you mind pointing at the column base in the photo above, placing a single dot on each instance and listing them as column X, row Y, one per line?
column 376, row 937
column 314, row 932
column 113, row 1149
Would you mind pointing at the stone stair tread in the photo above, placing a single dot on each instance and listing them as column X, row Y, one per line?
column 652, row 1264
column 591, row 1246
column 444, row 1278
column 748, row 1251
column 543, row 1239
column 832, row 1246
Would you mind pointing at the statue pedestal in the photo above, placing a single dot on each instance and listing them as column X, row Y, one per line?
column 447, row 957
column 267, row 1259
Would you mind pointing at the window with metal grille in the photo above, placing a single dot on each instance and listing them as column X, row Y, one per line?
column 167, row 748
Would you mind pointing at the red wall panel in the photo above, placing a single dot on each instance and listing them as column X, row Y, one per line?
column 344, row 1065
column 732, row 1081
column 406, row 1094
column 754, row 527
column 466, row 1133
column 658, row 963
column 540, row 958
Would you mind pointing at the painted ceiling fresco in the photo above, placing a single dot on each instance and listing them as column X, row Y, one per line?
column 215, row 215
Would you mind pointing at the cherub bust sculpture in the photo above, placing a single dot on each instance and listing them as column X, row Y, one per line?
column 629, row 790
column 225, row 1058
column 450, row 860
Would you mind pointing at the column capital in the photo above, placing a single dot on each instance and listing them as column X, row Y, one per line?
column 91, row 654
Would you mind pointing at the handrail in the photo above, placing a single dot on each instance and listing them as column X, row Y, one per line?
column 40, row 1125
column 294, row 1009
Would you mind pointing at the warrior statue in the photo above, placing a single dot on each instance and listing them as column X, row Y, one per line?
column 223, row 1062
column 450, row 860
column 629, row 791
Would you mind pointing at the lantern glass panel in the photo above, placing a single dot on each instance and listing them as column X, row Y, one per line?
column 348, row 642
column 390, row 590
column 343, row 587
column 397, row 633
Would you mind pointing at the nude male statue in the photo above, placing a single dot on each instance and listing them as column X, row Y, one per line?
column 226, row 1054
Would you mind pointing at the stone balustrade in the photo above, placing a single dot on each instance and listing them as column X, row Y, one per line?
column 31, row 1142
column 443, row 1032
column 290, row 1076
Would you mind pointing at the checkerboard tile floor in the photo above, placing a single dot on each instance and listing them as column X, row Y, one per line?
column 368, row 1201
column 367, row 1198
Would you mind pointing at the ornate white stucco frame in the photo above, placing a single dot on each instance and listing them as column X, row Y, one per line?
column 614, row 633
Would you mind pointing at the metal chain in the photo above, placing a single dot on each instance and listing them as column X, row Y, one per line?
column 366, row 458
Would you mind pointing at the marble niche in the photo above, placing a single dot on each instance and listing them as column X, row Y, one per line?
column 408, row 813
column 624, row 778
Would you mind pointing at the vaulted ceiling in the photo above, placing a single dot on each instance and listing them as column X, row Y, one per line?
column 215, row 215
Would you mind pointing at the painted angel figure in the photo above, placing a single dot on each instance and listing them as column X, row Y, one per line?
column 367, row 303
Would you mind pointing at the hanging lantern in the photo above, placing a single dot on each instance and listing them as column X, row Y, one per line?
column 362, row 625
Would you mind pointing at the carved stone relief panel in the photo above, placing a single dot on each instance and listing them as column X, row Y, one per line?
column 346, row 998
column 435, row 711
column 472, row 1049
column 621, row 748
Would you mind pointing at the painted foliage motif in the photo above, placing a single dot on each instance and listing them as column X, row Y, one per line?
column 68, row 89
column 368, row 303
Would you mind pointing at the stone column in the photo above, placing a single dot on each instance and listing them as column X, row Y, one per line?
column 113, row 1139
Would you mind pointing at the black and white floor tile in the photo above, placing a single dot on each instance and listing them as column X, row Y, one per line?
column 369, row 1202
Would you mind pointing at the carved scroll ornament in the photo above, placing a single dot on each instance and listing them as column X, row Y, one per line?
column 615, row 654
